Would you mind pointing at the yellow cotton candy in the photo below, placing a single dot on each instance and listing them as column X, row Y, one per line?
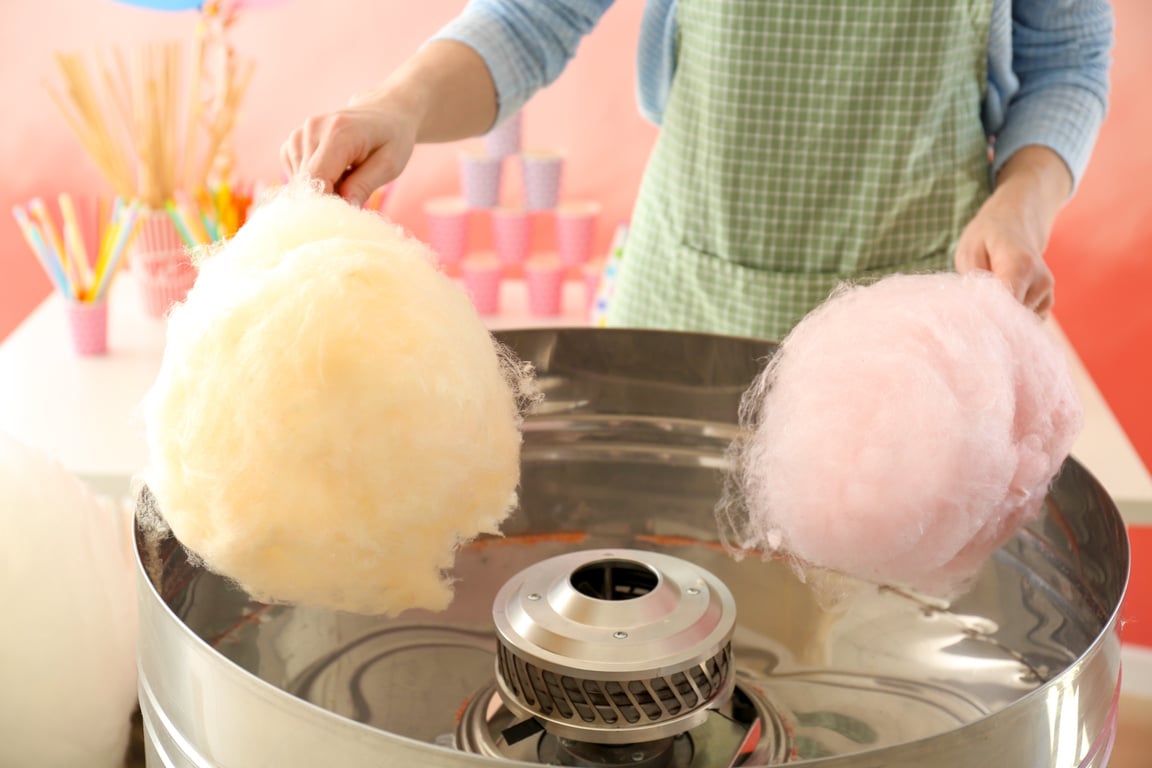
column 331, row 419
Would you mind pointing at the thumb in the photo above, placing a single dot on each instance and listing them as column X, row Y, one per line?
column 971, row 253
column 377, row 170
column 1014, row 268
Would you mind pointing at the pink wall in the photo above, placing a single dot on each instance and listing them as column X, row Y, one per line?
column 311, row 56
column 1101, row 252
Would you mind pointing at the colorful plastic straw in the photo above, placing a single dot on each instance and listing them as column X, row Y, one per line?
column 65, row 260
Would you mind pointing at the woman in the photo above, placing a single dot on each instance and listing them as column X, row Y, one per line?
column 803, row 142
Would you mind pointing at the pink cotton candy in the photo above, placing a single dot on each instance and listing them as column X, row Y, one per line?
column 903, row 432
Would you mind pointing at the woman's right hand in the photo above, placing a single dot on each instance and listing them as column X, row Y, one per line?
column 354, row 150
column 443, row 93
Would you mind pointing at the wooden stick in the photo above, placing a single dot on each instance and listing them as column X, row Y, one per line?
column 191, row 129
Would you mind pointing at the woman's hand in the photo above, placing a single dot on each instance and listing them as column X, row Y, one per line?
column 443, row 93
column 1010, row 232
column 355, row 150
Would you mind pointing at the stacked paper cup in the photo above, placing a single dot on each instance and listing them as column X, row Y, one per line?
column 545, row 277
column 161, row 264
column 480, row 179
column 575, row 232
column 542, row 175
column 447, row 219
column 512, row 235
column 482, row 277
column 504, row 140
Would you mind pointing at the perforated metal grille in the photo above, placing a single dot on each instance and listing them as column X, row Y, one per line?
column 613, row 703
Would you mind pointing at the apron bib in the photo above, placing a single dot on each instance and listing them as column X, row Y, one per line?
column 805, row 142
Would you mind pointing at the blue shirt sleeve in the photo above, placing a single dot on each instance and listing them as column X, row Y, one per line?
column 525, row 43
column 656, row 58
column 1053, row 87
column 1048, row 63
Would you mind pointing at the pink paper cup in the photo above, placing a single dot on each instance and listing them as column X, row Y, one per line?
column 482, row 278
column 447, row 228
column 544, row 276
column 575, row 232
column 480, row 179
column 504, row 140
column 155, row 233
column 88, row 323
column 542, row 175
column 164, row 278
column 511, row 234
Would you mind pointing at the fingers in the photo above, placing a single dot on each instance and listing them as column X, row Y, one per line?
column 1015, row 270
column 971, row 255
column 322, row 149
column 1044, row 305
column 1040, row 293
column 1027, row 277
column 359, row 183
column 1025, row 274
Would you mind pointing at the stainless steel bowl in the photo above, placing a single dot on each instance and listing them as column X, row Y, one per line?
column 627, row 452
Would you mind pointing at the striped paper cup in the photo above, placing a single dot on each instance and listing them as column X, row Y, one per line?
column 164, row 278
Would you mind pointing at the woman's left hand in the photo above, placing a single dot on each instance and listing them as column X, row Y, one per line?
column 1010, row 232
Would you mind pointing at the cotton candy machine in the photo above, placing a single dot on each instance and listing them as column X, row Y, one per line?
column 608, row 627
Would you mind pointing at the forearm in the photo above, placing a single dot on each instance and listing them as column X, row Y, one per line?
column 446, row 87
column 1038, row 176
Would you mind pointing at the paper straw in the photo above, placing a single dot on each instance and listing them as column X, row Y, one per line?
column 80, row 270
column 50, row 237
column 47, row 226
column 178, row 222
column 109, row 228
column 50, row 264
column 193, row 218
column 123, row 233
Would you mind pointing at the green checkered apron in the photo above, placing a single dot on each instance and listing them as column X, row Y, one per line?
column 805, row 142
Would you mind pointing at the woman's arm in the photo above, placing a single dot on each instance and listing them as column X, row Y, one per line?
column 477, row 70
column 1060, row 55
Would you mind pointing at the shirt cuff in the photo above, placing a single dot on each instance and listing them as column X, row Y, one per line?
column 1064, row 118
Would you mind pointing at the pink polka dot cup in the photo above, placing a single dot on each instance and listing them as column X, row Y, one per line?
column 482, row 276
column 544, row 276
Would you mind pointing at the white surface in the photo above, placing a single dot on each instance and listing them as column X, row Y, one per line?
column 1136, row 671
column 1106, row 451
column 84, row 410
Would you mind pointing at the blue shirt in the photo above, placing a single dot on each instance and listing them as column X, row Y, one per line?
column 1048, row 63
